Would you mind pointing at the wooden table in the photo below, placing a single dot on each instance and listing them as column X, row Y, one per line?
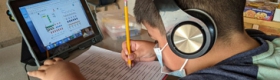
column 262, row 22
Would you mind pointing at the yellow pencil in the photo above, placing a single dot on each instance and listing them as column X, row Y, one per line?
column 127, row 32
column 47, row 52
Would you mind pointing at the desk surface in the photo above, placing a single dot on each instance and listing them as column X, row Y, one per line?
column 12, row 69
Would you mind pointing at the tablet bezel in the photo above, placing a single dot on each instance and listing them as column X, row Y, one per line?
column 14, row 6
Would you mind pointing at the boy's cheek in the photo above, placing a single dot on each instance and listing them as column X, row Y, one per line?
column 172, row 61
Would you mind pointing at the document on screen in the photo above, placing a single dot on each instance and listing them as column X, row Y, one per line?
column 102, row 64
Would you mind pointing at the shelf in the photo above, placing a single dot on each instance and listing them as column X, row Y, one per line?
column 262, row 22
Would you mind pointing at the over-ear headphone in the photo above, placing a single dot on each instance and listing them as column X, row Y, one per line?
column 191, row 33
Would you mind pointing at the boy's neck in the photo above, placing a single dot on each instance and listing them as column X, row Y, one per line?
column 222, row 50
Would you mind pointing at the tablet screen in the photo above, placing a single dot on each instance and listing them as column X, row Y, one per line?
column 56, row 22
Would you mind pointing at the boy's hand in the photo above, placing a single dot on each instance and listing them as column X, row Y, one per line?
column 140, row 51
column 57, row 69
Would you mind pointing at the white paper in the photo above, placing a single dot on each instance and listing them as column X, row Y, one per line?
column 101, row 64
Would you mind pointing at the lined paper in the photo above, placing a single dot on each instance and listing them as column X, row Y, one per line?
column 101, row 64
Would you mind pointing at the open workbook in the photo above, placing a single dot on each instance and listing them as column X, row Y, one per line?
column 101, row 64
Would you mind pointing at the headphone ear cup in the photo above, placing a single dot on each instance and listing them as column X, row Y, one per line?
column 191, row 39
column 207, row 20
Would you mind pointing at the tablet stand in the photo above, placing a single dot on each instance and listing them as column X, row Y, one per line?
column 28, row 59
column 26, row 55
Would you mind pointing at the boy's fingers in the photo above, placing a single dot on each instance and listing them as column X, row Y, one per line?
column 49, row 62
column 39, row 74
column 58, row 59
column 133, row 46
column 124, row 46
column 44, row 67
column 140, row 58
column 124, row 56
column 133, row 63
column 131, row 56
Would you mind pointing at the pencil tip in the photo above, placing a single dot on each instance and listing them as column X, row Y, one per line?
column 129, row 66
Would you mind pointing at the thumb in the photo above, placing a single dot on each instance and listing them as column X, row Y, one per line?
column 136, row 56
column 38, row 74
column 132, row 56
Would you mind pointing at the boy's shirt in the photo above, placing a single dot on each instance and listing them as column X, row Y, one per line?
column 262, row 62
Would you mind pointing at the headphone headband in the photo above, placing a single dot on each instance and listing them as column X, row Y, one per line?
column 188, row 36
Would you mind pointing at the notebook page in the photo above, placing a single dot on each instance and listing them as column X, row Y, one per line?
column 99, row 63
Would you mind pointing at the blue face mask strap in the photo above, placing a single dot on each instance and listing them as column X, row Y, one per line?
column 164, row 46
column 184, row 64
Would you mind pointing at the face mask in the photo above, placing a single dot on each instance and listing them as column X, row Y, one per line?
column 164, row 69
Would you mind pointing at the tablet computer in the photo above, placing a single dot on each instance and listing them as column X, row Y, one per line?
column 54, row 27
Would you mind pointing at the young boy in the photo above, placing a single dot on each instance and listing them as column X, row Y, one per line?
column 237, row 53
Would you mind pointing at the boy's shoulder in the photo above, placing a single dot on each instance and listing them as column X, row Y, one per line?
column 259, row 63
column 269, row 62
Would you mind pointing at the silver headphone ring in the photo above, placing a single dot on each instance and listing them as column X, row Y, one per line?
column 209, row 35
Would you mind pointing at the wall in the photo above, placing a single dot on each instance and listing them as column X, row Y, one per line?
column 9, row 33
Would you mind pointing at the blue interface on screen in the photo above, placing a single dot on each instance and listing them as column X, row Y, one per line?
column 55, row 22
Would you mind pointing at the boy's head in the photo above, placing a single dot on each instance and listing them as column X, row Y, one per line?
column 228, row 15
